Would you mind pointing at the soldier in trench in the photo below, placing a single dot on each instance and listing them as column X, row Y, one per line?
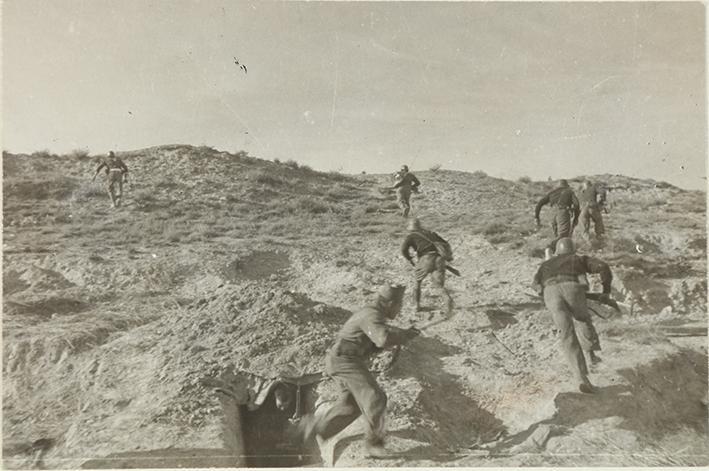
column 559, row 282
column 365, row 333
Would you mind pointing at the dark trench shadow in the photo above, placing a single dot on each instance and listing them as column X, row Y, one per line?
column 459, row 420
column 660, row 398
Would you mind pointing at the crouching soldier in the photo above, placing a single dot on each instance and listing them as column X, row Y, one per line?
column 363, row 334
column 429, row 260
column 557, row 280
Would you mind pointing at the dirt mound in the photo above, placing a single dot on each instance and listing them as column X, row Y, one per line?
column 256, row 265
column 115, row 317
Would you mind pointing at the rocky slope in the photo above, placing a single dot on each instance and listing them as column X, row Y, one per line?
column 112, row 318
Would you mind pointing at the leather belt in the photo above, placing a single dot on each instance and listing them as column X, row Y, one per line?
column 561, row 279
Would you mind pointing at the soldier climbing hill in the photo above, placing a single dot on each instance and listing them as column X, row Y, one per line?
column 362, row 335
column 116, row 175
column 433, row 253
column 405, row 184
column 566, row 208
column 564, row 293
column 593, row 199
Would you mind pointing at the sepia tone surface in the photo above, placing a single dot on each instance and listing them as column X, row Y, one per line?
column 188, row 327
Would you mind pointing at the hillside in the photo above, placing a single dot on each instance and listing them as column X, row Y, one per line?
column 113, row 318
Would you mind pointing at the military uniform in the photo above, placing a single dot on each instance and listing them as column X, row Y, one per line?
column 591, row 201
column 566, row 206
column 428, row 261
column 365, row 333
column 406, row 183
column 565, row 297
column 116, row 172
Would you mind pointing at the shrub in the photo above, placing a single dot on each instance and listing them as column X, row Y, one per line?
column 479, row 174
column 265, row 178
column 277, row 161
column 435, row 168
column 88, row 191
column 79, row 154
column 524, row 179
column 43, row 154
column 291, row 164
column 309, row 205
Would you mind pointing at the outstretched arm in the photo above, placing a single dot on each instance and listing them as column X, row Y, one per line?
column 539, row 206
column 384, row 335
column 405, row 246
column 98, row 169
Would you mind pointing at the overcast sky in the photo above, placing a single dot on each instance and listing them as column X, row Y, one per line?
column 535, row 89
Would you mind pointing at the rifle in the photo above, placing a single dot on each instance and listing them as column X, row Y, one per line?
column 594, row 297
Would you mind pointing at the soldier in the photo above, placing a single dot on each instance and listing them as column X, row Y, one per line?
column 364, row 333
column 592, row 200
column 429, row 259
column 116, row 175
column 566, row 206
column 564, row 293
column 406, row 183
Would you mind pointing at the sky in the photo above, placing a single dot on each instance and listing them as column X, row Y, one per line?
column 513, row 89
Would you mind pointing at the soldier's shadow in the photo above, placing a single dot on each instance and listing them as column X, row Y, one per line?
column 458, row 421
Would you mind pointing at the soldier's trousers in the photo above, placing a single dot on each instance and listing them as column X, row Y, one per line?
column 560, row 225
column 360, row 395
column 403, row 194
column 114, row 185
column 592, row 213
column 567, row 303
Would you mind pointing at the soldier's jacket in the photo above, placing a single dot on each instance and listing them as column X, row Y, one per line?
column 112, row 165
column 408, row 180
column 593, row 196
column 421, row 241
column 365, row 333
column 570, row 266
column 561, row 197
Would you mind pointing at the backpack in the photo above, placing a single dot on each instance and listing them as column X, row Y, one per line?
column 442, row 246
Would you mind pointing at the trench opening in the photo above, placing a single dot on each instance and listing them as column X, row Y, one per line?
column 264, row 436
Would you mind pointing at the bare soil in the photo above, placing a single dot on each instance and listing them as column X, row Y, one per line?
column 219, row 262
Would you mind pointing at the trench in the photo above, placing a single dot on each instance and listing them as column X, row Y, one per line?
column 263, row 437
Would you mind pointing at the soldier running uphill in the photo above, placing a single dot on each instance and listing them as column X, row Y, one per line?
column 362, row 335
column 406, row 183
column 564, row 293
column 592, row 200
column 566, row 207
column 116, row 175
column 426, row 244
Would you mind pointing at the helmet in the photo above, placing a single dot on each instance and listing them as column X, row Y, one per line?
column 390, row 292
column 565, row 245
column 414, row 224
column 390, row 299
column 563, row 183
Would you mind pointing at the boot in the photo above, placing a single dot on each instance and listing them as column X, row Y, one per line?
column 375, row 449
